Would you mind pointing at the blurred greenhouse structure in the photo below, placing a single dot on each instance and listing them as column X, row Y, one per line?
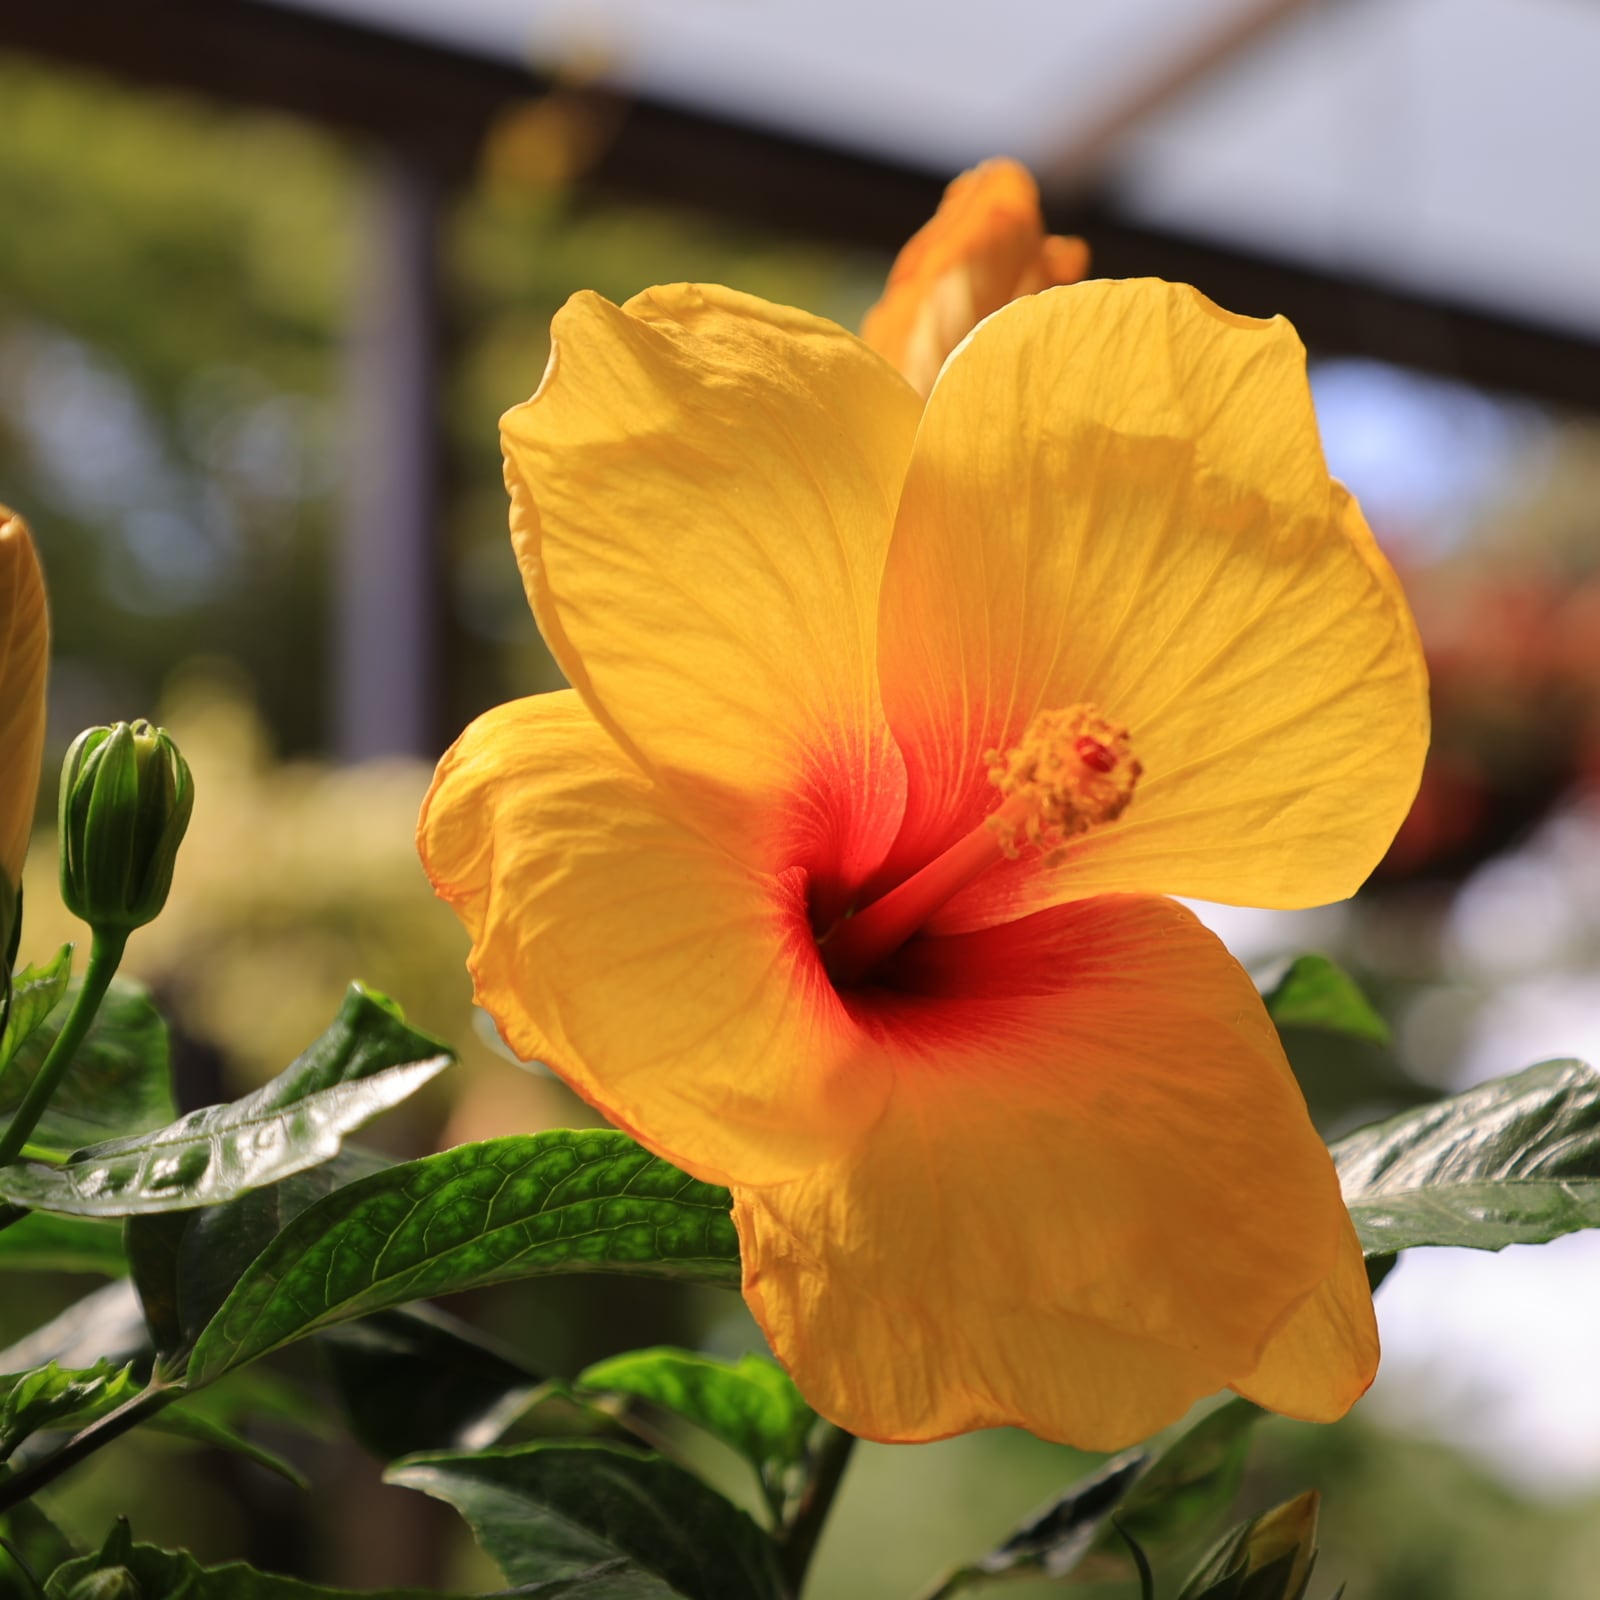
column 1342, row 163
column 272, row 268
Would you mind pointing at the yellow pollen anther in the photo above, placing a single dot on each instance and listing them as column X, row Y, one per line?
column 1072, row 771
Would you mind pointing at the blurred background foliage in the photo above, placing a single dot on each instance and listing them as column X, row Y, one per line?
column 172, row 308
column 173, row 293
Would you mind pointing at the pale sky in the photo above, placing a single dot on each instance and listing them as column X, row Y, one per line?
column 1443, row 146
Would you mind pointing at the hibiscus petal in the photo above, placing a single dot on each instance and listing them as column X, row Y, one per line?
column 1324, row 1358
column 670, row 985
column 703, row 489
column 1092, row 1197
column 1118, row 497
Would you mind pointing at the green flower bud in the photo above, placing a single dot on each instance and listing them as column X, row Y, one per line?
column 126, row 796
column 1268, row 1559
column 109, row 1583
column 111, row 1579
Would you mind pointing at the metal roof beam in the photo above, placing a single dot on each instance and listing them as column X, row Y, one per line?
column 435, row 105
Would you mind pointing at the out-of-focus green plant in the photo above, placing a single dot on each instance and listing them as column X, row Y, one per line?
column 292, row 877
column 176, row 296
column 182, row 288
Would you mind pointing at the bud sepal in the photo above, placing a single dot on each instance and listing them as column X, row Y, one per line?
column 1270, row 1558
column 126, row 799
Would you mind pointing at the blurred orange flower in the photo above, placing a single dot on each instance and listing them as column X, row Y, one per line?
column 24, row 658
column 839, row 875
column 983, row 248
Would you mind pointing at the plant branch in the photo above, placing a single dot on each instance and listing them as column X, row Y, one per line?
column 105, row 953
column 144, row 1405
column 798, row 1540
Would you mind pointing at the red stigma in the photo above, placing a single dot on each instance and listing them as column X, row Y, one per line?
column 1094, row 755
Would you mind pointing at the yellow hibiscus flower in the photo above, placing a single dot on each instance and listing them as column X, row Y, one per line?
column 24, row 657
column 982, row 249
column 840, row 874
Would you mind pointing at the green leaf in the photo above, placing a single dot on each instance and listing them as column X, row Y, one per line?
column 41, row 1242
column 186, row 1423
column 519, row 1207
column 561, row 1510
column 40, row 1544
column 1056, row 1538
column 185, row 1263
column 416, row 1379
column 1192, row 1482
column 55, row 1397
column 260, row 1394
column 751, row 1405
column 1314, row 993
column 152, row 1253
column 120, row 1080
column 366, row 1062
column 216, row 1417
column 176, row 1575
column 554, row 1411
column 35, row 992
column 1515, row 1161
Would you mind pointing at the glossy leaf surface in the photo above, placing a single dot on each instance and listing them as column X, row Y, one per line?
column 186, row 1263
column 367, row 1061
column 1514, row 1161
column 547, row 1511
column 519, row 1207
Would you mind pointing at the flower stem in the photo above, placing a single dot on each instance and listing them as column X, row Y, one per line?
column 105, row 953
column 798, row 1541
column 1147, row 1577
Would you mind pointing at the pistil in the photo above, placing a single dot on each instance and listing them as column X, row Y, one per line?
column 1072, row 771
column 860, row 942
